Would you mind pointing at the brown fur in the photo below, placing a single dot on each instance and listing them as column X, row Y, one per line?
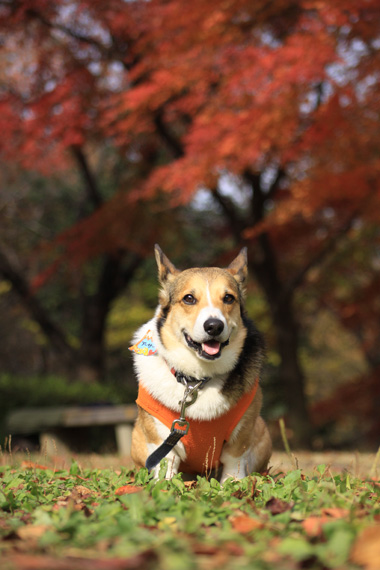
column 144, row 432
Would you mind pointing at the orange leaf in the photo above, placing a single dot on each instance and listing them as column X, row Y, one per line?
column 313, row 525
column 244, row 523
column 190, row 484
column 335, row 512
column 127, row 490
column 32, row 532
column 31, row 465
column 366, row 549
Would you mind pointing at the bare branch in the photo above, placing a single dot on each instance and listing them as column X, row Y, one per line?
column 327, row 250
column 91, row 186
column 236, row 222
column 55, row 335
column 171, row 141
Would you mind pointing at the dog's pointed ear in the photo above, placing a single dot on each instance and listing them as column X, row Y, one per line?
column 239, row 267
column 166, row 270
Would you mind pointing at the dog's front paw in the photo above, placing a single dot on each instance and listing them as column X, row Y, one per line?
column 235, row 467
column 167, row 467
column 234, row 475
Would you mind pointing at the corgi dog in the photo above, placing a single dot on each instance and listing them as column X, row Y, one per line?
column 198, row 363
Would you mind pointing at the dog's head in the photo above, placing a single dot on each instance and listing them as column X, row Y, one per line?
column 200, row 313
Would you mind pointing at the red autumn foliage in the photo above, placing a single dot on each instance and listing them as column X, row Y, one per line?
column 277, row 86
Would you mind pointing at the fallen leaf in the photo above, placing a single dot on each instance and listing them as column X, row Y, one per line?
column 313, row 525
column 40, row 562
column 233, row 548
column 205, row 549
column 33, row 532
column 82, row 491
column 31, row 465
column 366, row 549
column 243, row 523
column 76, row 500
column 335, row 512
column 277, row 506
column 271, row 554
column 128, row 489
column 168, row 522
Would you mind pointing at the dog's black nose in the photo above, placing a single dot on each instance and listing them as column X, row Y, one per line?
column 213, row 326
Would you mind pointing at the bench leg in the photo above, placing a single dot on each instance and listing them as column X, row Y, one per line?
column 123, row 433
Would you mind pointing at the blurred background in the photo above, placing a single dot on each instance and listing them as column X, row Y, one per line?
column 203, row 127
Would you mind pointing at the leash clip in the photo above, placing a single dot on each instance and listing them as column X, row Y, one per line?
column 191, row 391
column 183, row 424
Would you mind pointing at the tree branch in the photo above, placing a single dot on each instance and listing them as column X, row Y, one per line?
column 91, row 186
column 237, row 224
column 10, row 272
column 117, row 50
column 171, row 141
column 34, row 14
column 258, row 198
column 114, row 277
column 329, row 247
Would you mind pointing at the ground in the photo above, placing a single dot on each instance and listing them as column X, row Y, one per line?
column 358, row 464
column 91, row 512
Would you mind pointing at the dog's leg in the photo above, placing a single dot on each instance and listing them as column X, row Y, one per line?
column 235, row 467
column 172, row 462
column 173, row 458
column 242, row 457
column 148, row 434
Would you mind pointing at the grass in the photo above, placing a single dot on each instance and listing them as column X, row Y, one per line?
column 85, row 517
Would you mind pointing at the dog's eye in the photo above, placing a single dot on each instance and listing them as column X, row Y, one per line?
column 228, row 299
column 189, row 300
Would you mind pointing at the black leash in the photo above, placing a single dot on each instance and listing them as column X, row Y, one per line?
column 165, row 447
column 192, row 386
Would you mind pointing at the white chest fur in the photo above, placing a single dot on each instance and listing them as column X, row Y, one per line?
column 155, row 375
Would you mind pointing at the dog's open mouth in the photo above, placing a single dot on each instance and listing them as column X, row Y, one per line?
column 210, row 349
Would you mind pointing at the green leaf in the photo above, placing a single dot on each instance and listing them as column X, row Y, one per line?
column 299, row 548
column 75, row 468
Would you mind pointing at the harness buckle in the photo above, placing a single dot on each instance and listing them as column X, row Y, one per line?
column 182, row 423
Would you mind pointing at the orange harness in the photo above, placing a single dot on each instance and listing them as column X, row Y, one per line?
column 205, row 439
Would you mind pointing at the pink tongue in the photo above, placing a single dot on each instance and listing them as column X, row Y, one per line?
column 211, row 347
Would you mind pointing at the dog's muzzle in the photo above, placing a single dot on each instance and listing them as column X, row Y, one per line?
column 209, row 349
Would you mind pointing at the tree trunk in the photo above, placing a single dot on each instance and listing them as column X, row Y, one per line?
column 113, row 278
column 290, row 382
column 91, row 356
column 54, row 334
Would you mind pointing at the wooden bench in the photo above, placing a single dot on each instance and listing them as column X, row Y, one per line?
column 53, row 424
